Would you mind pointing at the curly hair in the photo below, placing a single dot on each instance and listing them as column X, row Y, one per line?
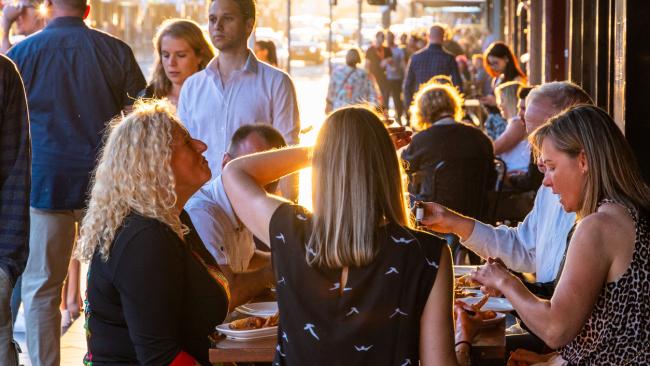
column 134, row 174
column 435, row 100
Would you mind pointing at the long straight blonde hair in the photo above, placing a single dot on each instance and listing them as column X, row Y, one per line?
column 612, row 172
column 356, row 188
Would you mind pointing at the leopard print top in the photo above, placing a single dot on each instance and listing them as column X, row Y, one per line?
column 618, row 331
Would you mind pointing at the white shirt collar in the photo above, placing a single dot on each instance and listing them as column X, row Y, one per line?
column 251, row 64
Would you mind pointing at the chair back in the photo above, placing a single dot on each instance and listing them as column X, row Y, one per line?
column 460, row 184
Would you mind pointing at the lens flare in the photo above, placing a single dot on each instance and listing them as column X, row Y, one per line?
column 42, row 9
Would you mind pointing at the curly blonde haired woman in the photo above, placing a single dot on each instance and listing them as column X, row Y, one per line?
column 153, row 293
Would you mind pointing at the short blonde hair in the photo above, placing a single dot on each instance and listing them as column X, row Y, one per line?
column 612, row 172
column 134, row 174
column 357, row 187
column 435, row 100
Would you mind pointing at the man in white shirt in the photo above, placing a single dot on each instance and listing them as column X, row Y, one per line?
column 236, row 89
column 231, row 244
column 537, row 244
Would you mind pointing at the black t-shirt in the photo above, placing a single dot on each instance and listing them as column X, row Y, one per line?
column 374, row 56
column 152, row 299
column 376, row 319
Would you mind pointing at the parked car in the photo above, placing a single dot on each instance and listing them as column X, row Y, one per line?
column 306, row 45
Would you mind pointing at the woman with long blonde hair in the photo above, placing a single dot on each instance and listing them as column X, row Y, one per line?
column 181, row 50
column 153, row 294
column 600, row 310
column 356, row 285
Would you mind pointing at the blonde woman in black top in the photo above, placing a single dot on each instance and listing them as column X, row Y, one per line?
column 356, row 284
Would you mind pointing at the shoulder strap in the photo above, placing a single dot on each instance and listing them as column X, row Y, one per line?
column 346, row 78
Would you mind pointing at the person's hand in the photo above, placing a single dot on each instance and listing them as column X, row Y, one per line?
column 9, row 15
column 489, row 100
column 400, row 136
column 467, row 325
column 492, row 276
column 522, row 357
column 437, row 217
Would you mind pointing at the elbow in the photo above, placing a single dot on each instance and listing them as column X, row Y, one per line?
column 556, row 336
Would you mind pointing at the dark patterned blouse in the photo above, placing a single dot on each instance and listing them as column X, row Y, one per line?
column 373, row 320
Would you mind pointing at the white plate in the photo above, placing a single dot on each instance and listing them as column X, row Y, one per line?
column 494, row 320
column 498, row 304
column 463, row 270
column 258, row 308
column 247, row 334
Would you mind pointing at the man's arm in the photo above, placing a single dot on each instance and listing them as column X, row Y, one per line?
column 15, row 161
column 286, row 118
column 245, row 286
column 515, row 246
column 455, row 74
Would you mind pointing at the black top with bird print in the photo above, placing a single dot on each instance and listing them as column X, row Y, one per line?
column 373, row 320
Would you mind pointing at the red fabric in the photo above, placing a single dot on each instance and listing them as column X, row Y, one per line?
column 183, row 359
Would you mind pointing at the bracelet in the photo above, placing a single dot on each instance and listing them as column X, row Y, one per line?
column 469, row 344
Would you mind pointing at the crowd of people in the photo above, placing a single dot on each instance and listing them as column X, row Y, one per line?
column 181, row 196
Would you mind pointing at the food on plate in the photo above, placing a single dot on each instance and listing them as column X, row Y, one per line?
column 272, row 321
column 461, row 292
column 466, row 281
column 251, row 322
column 487, row 315
column 254, row 322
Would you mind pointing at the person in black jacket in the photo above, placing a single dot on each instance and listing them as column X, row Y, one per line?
column 154, row 292
column 448, row 161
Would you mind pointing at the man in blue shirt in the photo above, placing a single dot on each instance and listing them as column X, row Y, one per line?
column 429, row 62
column 77, row 79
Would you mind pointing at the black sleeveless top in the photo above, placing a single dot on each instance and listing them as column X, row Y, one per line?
column 374, row 321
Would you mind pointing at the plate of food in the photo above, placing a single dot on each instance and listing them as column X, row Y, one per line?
column 252, row 327
column 463, row 270
column 497, row 304
column 261, row 309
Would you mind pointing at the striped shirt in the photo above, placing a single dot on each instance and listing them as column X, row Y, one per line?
column 14, row 171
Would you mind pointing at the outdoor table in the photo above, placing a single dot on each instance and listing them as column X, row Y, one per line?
column 489, row 345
